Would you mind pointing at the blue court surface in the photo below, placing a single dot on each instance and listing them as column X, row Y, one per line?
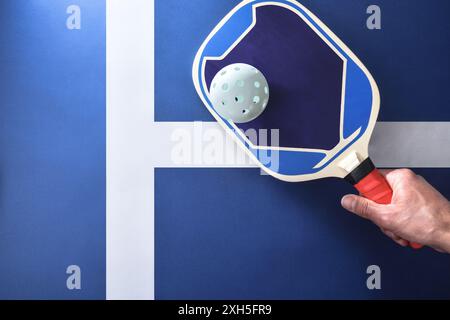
column 52, row 141
column 220, row 233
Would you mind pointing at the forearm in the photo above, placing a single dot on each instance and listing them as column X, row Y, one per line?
column 442, row 240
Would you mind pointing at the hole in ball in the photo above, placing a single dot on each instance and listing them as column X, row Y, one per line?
column 239, row 99
column 225, row 87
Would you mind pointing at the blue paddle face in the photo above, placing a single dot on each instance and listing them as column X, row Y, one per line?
column 323, row 102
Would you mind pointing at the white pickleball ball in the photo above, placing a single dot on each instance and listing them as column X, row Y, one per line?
column 239, row 93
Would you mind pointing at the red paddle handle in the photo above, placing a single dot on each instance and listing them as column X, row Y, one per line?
column 375, row 187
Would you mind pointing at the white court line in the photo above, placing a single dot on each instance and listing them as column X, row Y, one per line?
column 130, row 175
column 136, row 145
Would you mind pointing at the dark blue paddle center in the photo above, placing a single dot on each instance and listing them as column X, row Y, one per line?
column 304, row 76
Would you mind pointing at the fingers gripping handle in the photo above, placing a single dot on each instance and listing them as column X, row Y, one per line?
column 375, row 187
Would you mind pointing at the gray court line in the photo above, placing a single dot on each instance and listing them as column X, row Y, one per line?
column 393, row 145
column 411, row 144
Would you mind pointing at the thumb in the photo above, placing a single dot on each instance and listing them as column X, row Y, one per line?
column 363, row 207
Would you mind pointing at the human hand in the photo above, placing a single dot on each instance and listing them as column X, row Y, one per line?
column 418, row 213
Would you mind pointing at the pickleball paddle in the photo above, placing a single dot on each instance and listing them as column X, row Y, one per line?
column 323, row 100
